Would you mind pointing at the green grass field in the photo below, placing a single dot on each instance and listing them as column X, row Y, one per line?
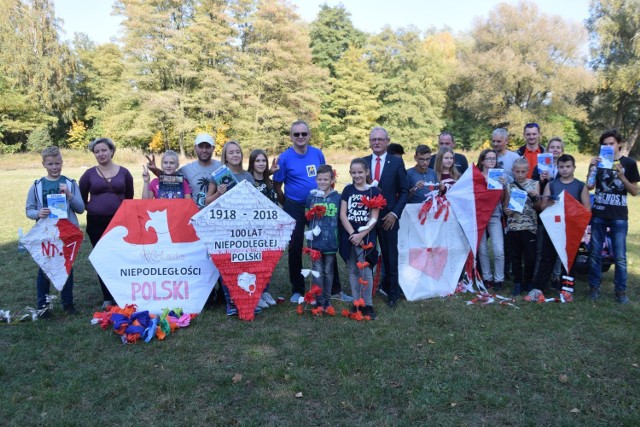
column 434, row 362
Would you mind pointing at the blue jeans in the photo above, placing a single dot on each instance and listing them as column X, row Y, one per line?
column 618, row 229
column 42, row 290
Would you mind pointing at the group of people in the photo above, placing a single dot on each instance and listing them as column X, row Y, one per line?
column 354, row 226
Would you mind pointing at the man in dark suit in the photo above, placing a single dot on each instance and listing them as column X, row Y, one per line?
column 392, row 180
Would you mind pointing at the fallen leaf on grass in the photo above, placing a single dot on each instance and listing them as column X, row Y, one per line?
column 298, row 395
column 563, row 378
column 635, row 365
column 430, row 341
column 456, row 358
column 453, row 404
column 236, row 378
column 575, row 410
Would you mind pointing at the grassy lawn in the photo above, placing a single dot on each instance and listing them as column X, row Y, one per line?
column 434, row 362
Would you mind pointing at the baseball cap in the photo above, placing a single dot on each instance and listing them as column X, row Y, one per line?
column 204, row 137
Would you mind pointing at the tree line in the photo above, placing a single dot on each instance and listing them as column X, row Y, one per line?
column 246, row 69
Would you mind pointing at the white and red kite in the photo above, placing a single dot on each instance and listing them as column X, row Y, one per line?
column 245, row 234
column 565, row 222
column 431, row 253
column 150, row 256
column 473, row 204
column 54, row 244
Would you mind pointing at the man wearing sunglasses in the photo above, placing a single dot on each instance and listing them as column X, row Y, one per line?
column 297, row 169
column 532, row 147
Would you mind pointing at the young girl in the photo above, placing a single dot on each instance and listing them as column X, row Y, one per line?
column 556, row 147
column 232, row 158
column 326, row 242
column 359, row 226
column 446, row 170
column 258, row 168
column 522, row 227
column 487, row 160
column 170, row 163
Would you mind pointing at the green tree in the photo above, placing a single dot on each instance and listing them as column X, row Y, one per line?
column 523, row 66
column 159, row 68
column 614, row 26
column 352, row 107
column 332, row 32
column 100, row 88
column 281, row 84
column 412, row 80
column 36, row 66
column 212, row 42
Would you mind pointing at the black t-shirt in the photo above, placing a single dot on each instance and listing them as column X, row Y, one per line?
column 610, row 201
column 267, row 190
column 357, row 213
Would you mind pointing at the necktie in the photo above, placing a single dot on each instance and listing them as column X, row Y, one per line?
column 376, row 174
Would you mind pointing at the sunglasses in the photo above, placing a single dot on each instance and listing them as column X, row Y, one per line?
column 299, row 134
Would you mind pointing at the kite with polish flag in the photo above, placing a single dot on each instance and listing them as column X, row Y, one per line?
column 54, row 243
column 473, row 204
column 565, row 222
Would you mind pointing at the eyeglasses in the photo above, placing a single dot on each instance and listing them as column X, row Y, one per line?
column 490, row 159
column 377, row 139
column 300, row 134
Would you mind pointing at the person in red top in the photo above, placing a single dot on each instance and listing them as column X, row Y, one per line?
column 532, row 147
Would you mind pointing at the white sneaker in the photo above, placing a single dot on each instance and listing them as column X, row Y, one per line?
column 295, row 298
column 262, row 303
column 266, row 296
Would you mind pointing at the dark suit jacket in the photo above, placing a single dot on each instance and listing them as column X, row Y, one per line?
column 394, row 185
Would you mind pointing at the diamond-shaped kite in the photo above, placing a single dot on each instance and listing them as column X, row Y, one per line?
column 54, row 244
column 151, row 256
column 245, row 234
column 565, row 221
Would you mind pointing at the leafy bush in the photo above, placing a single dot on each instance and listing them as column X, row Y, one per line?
column 10, row 148
column 77, row 135
column 39, row 139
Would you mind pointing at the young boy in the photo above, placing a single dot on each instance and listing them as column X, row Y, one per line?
column 610, row 210
column 522, row 227
column 422, row 180
column 327, row 241
column 565, row 181
column 36, row 208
